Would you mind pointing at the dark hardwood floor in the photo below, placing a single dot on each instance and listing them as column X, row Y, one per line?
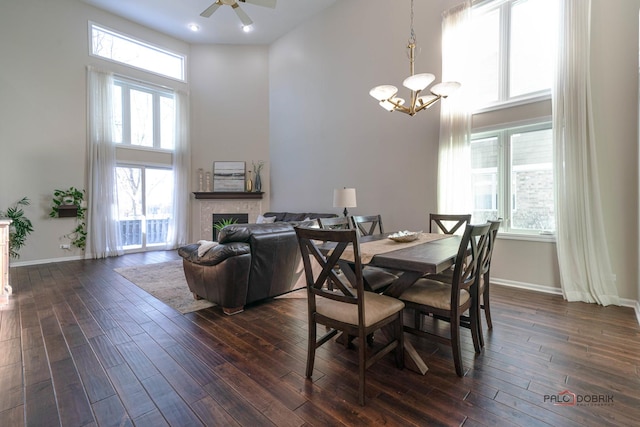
column 80, row 345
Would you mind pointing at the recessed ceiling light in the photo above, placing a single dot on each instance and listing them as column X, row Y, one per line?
column 247, row 28
column 194, row 27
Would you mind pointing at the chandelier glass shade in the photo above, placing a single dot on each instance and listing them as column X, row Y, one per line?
column 416, row 83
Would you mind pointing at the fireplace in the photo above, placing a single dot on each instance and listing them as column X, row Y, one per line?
column 239, row 218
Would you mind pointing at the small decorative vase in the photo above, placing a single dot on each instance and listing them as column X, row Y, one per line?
column 257, row 185
column 249, row 187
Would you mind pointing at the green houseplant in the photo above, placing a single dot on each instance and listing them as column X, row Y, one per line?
column 73, row 197
column 20, row 227
column 224, row 222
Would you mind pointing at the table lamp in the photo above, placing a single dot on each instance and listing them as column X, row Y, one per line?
column 344, row 197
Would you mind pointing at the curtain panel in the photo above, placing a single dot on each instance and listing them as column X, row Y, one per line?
column 454, row 154
column 583, row 256
column 103, row 238
column 179, row 224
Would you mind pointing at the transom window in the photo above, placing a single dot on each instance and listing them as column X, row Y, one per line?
column 114, row 46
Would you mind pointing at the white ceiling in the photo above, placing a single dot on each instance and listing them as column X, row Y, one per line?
column 172, row 17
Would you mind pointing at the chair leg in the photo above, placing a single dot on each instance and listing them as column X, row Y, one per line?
column 485, row 304
column 311, row 349
column 399, row 335
column 455, row 344
column 476, row 329
column 362, row 366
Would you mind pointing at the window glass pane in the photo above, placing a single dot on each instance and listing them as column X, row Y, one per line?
column 531, row 50
column 484, row 87
column 167, row 123
column 141, row 118
column 118, row 47
column 532, row 198
column 484, row 179
column 117, row 114
column 159, row 199
column 130, row 215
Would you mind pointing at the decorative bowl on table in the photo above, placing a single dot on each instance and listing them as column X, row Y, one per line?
column 405, row 236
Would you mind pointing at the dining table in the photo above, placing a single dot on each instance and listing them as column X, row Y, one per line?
column 430, row 253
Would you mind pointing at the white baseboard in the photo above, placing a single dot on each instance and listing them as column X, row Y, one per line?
column 45, row 261
column 624, row 302
column 528, row 286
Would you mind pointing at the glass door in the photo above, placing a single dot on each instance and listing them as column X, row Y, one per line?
column 145, row 206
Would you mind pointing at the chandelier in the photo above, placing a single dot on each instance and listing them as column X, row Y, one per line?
column 386, row 94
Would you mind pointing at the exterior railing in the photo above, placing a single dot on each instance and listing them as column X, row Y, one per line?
column 131, row 231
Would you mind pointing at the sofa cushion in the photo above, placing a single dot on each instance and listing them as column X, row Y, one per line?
column 215, row 255
column 243, row 232
column 293, row 216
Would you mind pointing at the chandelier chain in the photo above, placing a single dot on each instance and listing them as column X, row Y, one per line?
column 412, row 37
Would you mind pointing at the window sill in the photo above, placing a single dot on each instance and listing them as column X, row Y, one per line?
column 547, row 238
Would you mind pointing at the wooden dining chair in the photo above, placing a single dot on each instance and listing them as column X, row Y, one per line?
column 346, row 306
column 444, row 301
column 368, row 224
column 376, row 279
column 483, row 303
column 447, row 223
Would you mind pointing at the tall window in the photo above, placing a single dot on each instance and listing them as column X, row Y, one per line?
column 512, row 164
column 144, row 122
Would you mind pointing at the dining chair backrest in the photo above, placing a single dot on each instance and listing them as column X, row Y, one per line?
column 447, row 223
column 468, row 264
column 368, row 224
column 492, row 234
column 335, row 223
column 323, row 279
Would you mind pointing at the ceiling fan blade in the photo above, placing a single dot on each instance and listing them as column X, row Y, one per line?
column 209, row 11
column 242, row 15
column 265, row 3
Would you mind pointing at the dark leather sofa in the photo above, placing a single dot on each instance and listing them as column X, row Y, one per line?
column 251, row 262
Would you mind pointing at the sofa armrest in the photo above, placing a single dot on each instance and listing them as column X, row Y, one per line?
column 215, row 255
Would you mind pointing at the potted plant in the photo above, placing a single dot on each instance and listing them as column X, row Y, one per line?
column 20, row 227
column 70, row 203
column 222, row 224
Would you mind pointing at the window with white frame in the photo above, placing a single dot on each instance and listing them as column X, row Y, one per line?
column 143, row 121
column 512, row 178
column 109, row 44
column 144, row 115
column 512, row 48
column 512, row 164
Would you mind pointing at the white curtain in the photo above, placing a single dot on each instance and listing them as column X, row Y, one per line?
column 103, row 238
column 585, row 267
column 454, row 158
column 179, row 224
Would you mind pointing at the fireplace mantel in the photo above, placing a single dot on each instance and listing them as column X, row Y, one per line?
column 228, row 195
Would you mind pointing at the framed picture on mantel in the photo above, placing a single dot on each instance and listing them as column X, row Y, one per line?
column 228, row 176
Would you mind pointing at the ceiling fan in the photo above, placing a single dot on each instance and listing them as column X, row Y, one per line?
column 236, row 7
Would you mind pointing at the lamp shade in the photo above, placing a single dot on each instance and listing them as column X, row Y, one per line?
column 445, row 89
column 383, row 92
column 344, row 198
column 418, row 82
